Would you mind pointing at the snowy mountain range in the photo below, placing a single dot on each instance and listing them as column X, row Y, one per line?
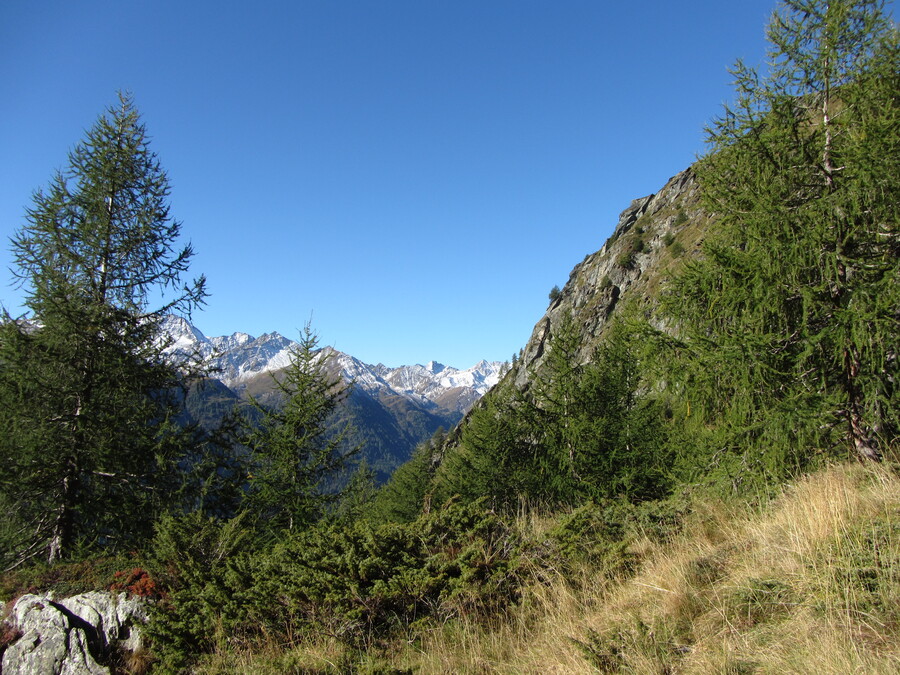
column 239, row 360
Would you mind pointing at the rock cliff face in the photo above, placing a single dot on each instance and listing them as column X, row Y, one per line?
column 652, row 235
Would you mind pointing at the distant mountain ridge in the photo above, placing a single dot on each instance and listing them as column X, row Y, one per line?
column 239, row 359
column 392, row 409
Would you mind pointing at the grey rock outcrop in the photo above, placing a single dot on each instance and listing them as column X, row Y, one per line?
column 72, row 636
column 652, row 237
column 631, row 264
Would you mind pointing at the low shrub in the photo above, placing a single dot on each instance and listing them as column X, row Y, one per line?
column 602, row 534
column 360, row 583
column 357, row 582
column 197, row 562
column 626, row 259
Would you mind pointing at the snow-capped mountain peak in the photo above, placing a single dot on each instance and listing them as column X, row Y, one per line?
column 238, row 358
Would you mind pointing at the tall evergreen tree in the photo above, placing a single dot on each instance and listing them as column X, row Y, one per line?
column 83, row 381
column 791, row 318
column 597, row 436
column 296, row 449
column 495, row 456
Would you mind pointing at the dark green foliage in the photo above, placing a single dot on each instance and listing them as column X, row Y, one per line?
column 362, row 582
column 789, row 321
column 595, row 436
column 357, row 499
column 353, row 581
column 495, row 457
column 602, row 535
column 294, row 449
column 201, row 565
column 408, row 491
column 582, row 431
column 626, row 258
column 554, row 294
column 90, row 441
column 597, row 535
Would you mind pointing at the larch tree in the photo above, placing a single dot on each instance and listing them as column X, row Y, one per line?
column 88, row 436
column 790, row 319
column 297, row 448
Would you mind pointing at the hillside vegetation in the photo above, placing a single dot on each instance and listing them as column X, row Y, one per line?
column 691, row 467
column 808, row 582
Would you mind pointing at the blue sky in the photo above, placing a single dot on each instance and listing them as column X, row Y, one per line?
column 414, row 175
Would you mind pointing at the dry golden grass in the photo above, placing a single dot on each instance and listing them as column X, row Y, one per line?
column 737, row 592
column 809, row 583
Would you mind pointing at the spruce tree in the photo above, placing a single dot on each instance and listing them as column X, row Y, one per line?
column 88, row 436
column 296, row 447
column 790, row 321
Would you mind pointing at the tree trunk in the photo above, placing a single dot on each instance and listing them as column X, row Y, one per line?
column 61, row 537
column 866, row 448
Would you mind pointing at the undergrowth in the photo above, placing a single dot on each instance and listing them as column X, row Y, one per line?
column 808, row 582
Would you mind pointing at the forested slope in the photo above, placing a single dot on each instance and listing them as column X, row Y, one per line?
column 692, row 466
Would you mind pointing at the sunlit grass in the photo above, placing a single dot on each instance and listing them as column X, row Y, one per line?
column 809, row 583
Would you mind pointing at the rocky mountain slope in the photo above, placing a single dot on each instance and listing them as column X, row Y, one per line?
column 652, row 235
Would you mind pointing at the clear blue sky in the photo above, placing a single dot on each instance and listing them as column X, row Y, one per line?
column 415, row 175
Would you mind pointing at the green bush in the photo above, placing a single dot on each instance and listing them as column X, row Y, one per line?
column 356, row 582
column 200, row 567
column 626, row 259
column 601, row 534
column 360, row 582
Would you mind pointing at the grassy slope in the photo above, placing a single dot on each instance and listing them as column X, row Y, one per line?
column 809, row 583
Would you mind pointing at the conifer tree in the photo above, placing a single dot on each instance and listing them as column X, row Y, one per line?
column 495, row 454
column 597, row 436
column 295, row 449
column 87, row 432
column 410, row 487
column 791, row 319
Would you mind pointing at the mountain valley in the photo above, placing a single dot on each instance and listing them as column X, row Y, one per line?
column 391, row 409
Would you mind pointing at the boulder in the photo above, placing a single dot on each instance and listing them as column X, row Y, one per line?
column 72, row 636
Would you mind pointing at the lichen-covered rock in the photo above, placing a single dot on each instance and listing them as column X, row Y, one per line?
column 115, row 617
column 72, row 636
